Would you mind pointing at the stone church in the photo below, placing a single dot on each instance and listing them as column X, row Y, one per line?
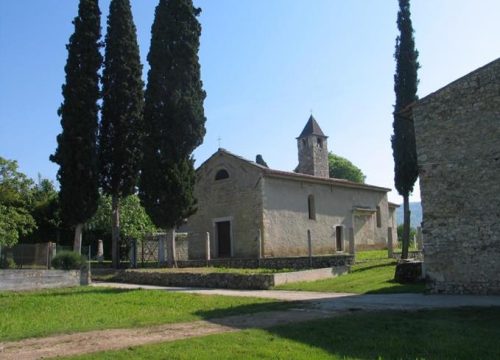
column 251, row 211
column 457, row 131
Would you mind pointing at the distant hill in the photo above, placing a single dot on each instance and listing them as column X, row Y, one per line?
column 415, row 214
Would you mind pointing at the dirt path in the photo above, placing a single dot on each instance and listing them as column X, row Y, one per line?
column 94, row 341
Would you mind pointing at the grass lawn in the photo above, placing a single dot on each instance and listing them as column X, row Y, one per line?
column 437, row 334
column 373, row 273
column 41, row 313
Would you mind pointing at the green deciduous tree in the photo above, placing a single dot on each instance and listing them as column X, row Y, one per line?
column 341, row 168
column 15, row 201
column 134, row 221
column 121, row 129
column 173, row 115
column 76, row 153
column 403, row 140
column 45, row 210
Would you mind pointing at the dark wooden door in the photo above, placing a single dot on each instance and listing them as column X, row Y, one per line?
column 224, row 238
column 339, row 238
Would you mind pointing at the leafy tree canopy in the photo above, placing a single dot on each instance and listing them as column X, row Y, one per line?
column 341, row 168
column 15, row 202
column 135, row 223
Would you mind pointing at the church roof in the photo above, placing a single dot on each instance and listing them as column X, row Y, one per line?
column 311, row 128
column 267, row 172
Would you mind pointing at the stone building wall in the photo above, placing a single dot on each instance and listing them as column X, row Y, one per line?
column 236, row 199
column 286, row 217
column 458, row 147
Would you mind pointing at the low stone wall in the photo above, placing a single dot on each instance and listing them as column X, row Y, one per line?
column 14, row 280
column 296, row 263
column 224, row 280
column 416, row 255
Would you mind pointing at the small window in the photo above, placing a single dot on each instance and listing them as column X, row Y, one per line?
column 320, row 142
column 221, row 174
column 379, row 218
column 311, row 207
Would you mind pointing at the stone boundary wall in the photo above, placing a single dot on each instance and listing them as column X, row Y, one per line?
column 417, row 255
column 296, row 263
column 15, row 280
column 225, row 280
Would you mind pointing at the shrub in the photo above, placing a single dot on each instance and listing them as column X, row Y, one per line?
column 68, row 260
column 7, row 263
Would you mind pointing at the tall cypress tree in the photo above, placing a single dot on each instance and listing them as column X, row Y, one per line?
column 121, row 127
column 173, row 115
column 403, row 140
column 76, row 153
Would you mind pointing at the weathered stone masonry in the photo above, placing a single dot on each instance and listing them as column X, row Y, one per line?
column 457, row 133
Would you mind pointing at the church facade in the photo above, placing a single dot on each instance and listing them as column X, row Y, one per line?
column 251, row 211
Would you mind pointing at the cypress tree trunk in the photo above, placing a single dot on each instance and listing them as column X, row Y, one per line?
column 406, row 227
column 115, row 231
column 77, row 242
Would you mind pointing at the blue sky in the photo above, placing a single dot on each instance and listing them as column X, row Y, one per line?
column 265, row 65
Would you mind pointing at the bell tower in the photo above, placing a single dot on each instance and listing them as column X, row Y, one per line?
column 313, row 150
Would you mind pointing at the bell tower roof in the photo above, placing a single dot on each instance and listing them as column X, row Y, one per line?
column 311, row 128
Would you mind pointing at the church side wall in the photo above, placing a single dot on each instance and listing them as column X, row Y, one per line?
column 457, row 134
column 237, row 199
column 286, row 218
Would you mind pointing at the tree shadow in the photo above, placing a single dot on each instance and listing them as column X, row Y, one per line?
column 73, row 291
column 389, row 334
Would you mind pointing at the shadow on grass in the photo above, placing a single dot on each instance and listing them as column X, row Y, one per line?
column 71, row 292
column 397, row 288
column 466, row 333
column 375, row 266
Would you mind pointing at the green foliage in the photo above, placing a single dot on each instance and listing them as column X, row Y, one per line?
column 260, row 160
column 403, row 140
column 135, row 222
column 7, row 263
column 413, row 232
column 15, row 202
column 45, row 211
column 76, row 153
column 405, row 87
column 57, row 311
column 121, row 127
column 173, row 113
column 68, row 260
column 341, row 168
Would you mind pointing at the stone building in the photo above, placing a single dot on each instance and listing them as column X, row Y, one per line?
column 252, row 211
column 457, row 131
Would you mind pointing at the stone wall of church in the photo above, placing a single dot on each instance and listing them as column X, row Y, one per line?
column 236, row 199
column 286, row 217
column 458, row 146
